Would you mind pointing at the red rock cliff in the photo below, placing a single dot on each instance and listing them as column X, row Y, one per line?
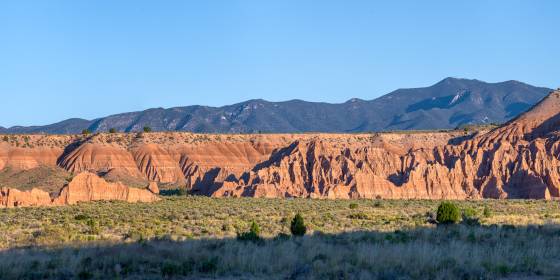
column 517, row 160
column 84, row 187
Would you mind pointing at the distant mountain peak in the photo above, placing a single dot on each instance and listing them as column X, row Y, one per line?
column 446, row 104
column 456, row 81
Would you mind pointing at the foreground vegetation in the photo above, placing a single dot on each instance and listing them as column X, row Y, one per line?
column 183, row 237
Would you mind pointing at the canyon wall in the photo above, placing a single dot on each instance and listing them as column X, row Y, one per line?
column 517, row 160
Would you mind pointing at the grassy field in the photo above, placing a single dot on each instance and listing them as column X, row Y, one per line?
column 194, row 237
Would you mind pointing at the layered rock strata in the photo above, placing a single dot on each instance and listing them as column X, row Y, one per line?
column 517, row 160
column 84, row 187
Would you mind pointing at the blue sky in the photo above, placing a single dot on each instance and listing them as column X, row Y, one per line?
column 62, row 59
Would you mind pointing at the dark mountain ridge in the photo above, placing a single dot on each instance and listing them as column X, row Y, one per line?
column 447, row 104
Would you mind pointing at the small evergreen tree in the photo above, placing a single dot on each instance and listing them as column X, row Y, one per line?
column 255, row 229
column 298, row 227
column 486, row 212
column 448, row 213
column 86, row 132
column 252, row 235
column 147, row 129
column 112, row 130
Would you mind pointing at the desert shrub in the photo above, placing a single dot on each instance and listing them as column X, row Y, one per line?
column 353, row 205
column 358, row 216
column 252, row 235
column 255, row 229
column 86, row 132
column 448, row 213
column 470, row 217
column 93, row 227
column 112, row 130
column 81, row 217
column 297, row 226
column 182, row 191
column 147, row 129
column 487, row 213
column 5, row 138
column 226, row 227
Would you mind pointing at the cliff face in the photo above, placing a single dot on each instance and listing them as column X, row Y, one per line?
column 517, row 160
column 84, row 187
column 318, row 169
column 26, row 158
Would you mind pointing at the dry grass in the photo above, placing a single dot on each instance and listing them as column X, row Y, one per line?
column 193, row 237
column 456, row 252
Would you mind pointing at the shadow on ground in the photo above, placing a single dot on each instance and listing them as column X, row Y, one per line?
column 448, row 252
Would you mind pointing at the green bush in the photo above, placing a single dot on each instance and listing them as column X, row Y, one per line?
column 353, row 205
column 86, row 132
column 112, row 130
column 252, row 235
column 81, row 217
column 448, row 213
column 470, row 217
column 487, row 213
column 147, row 129
column 93, row 227
column 298, row 227
column 358, row 216
column 182, row 191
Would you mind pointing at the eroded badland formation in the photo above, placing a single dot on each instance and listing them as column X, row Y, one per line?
column 517, row 160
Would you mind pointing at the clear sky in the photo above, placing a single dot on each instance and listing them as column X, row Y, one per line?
column 62, row 59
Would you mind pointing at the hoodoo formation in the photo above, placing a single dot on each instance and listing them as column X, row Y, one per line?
column 517, row 160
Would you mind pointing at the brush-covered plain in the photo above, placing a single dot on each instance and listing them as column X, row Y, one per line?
column 195, row 237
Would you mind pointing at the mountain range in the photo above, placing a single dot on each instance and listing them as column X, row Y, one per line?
column 447, row 104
